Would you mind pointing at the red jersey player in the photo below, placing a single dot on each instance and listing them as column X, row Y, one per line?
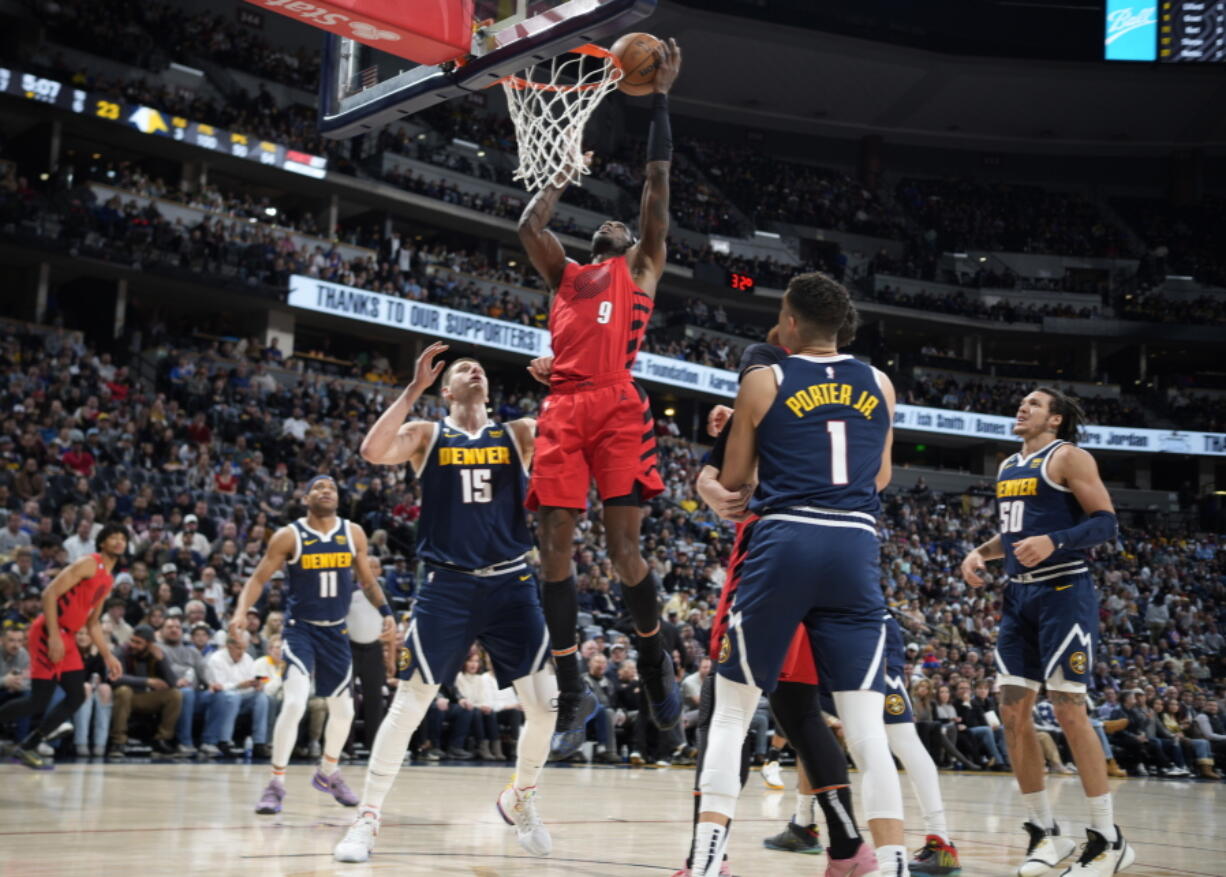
column 73, row 600
column 597, row 423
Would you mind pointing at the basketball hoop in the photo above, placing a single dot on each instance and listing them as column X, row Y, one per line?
column 550, row 105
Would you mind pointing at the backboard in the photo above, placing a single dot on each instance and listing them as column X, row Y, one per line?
column 363, row 89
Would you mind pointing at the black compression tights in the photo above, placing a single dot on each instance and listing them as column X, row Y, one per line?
column 41, row 691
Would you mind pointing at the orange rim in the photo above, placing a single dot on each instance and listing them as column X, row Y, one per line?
column 518, row 82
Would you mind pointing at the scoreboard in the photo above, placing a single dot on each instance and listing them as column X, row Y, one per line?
column 1192, row 31
column 1171, row 31
column 29, row 86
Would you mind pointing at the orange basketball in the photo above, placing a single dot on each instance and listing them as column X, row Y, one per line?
column 639, row 54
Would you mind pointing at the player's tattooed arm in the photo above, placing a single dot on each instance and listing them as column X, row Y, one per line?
column 391, row 441
column 543, row 247
column 280, row 549
column 523, row 431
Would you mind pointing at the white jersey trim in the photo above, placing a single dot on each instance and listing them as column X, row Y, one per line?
column 1046, row 477
column 425, row 460
column 472, row 435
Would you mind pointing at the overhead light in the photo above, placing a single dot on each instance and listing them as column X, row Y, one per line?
column 467, row 144
column 251, row 219
column 421, row 136
column 669, row 412
column 512, row 263
column 983, row 258
column 44, row 177
column 270, row 211
column 765, row 234
column 480, row 153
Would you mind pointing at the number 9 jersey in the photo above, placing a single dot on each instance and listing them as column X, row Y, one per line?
column 473, row 488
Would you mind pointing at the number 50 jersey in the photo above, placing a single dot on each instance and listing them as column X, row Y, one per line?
column 473, row 488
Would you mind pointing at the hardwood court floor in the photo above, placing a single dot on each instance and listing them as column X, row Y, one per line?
column 132, row 820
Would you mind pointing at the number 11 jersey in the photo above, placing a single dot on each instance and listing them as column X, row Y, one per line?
column 473, row 488
column 320, row 574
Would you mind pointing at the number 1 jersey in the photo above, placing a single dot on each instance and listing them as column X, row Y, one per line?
column 472, row 505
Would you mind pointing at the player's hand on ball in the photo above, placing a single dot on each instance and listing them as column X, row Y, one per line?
column 717, row 420
column 426, row 372
column 973, row 567
column 541, row 368
column 388, row 634
column 55, row 649
column 114, row 669
column 670, row 66
column 1033, row 550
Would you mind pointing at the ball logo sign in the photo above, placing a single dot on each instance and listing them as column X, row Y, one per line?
column 1132, row 31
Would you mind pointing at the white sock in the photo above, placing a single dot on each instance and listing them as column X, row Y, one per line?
column 892, row 859
column 1039, row 809
column 537, row 693
column 708, row 853
column 806, row 810
column 407, row 710
column 922, row 772
column 296, row 691
column 336, row 731
column 1102, row 817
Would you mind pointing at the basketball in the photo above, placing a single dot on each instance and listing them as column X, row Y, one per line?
column 639, row 54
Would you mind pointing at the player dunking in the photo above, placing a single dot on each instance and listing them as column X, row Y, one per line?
column 473, row 535
column 1053, row 508
column 321, row 552
column 597, row 422
column 817, row 427
column 73, row 600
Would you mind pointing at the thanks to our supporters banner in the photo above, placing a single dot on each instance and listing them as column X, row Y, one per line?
column 312, row 294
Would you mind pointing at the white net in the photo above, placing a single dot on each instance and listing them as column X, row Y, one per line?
column 550, row 104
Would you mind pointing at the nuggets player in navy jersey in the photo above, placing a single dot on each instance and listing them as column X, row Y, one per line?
column 817, row 428
column 322, row 554
column 1053, row 508
column 596, row 423
column 473, row 536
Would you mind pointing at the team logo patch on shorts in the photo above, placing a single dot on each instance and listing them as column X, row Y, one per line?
column 725, row 649
column 895, row 705
column 404, row 659
column 1077, row 662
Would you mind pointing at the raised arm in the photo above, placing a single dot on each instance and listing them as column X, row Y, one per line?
column 649, row 255
column 392, row 441
column 280, row 550
column 542, row 246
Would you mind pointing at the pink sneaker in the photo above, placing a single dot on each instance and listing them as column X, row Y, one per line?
column 862, row 864
column 725, row 870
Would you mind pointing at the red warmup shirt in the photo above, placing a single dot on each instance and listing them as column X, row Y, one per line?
column 597, row 321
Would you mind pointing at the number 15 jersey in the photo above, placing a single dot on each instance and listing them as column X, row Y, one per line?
column 472, row 506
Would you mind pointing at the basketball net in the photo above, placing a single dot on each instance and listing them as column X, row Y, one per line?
column 550, row 104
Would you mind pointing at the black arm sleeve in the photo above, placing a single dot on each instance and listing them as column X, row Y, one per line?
column 659, row 132
column 716, row 456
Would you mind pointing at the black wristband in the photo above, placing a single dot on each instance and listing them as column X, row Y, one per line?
column 659, row 133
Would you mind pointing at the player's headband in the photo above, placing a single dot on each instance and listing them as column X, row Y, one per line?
column 317, row 478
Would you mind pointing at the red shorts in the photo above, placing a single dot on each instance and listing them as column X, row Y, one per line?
column 606, row 433
column 798, row 666
column 40, row 663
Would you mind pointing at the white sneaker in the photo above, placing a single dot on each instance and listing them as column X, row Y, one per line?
column 1099, row 858
column 517, row 807
column 359, row 840
column 772, row 775
column 45, row 751
column 1046, row 850
column 210, row 750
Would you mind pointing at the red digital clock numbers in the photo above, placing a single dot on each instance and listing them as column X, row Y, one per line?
column 741, row 282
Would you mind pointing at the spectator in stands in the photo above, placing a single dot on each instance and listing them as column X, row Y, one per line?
column 147, row 687
column 187, row 665
column 237, row 691
column 95, row 712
